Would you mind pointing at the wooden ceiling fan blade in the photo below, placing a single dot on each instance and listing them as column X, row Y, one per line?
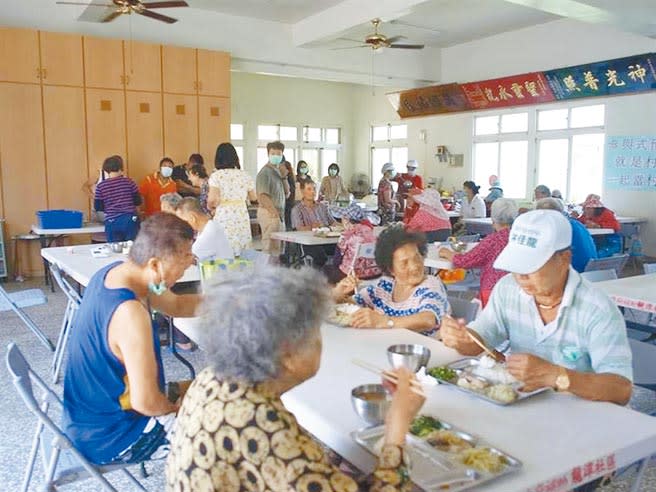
column 111, row 16
column 159, row 17
column 164, row 5
column 407, row 46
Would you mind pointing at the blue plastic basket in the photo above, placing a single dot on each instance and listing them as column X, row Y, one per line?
column 59, row 219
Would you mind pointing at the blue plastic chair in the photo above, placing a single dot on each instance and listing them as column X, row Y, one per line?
column 62, row 462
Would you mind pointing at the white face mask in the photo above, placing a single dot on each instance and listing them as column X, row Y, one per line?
column 166, row 171
column 412, row 171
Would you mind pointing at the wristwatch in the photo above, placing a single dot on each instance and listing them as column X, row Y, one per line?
column 562, row 381
column 390, row 322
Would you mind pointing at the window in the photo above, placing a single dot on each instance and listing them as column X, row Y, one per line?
column 501, row 148
column 561, row 148
column 319, row 147
column 388, row 144
column 237, row 139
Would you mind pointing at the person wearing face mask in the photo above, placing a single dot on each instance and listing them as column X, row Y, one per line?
column 116, row 409
column 271, row 196
column 157, row 184
column 302, row 176
column 332, row 186
column 387, row 202
column 409, row 182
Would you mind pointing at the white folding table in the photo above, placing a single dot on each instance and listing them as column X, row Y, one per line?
column 638, row 292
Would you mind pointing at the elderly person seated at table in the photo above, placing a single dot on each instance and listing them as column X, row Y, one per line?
column 563, row 332
column 404, row 297
column 430, row 218
column 583, row 246
column 115, row 407
column 169, row 202
column 504, row 211
column 310, row 214
column 597, row 216
column 211, row 239
column 358, row 230
column 233, row 430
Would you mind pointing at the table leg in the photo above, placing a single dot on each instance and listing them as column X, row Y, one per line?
column 46, row 271
column 635, row 486
column 175, row 353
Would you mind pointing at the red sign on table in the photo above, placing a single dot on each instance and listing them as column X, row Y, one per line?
column 518, row 90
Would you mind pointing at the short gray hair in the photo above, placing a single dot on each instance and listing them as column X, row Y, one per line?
column 544, row 189
column 549, row 204
column 173, row 199
column 504, row 211
column 249, row 317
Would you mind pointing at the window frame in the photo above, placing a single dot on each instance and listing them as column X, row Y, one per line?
column 390, row 144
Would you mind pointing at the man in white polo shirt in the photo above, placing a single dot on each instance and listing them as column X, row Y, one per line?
column 562, row 331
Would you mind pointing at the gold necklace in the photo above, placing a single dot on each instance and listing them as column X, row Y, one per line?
column 543, row 306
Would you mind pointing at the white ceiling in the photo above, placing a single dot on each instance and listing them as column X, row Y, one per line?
column 295, row 37
column 287, row 11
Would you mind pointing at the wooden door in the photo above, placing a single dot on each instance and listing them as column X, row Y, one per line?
column 213, row 124
column 66, row 149
column 61, row 59
column 23, row 166
column 105, row 127
column 103, row 63
column 179, row 70
column 213, row 73
column 19, row 55
column 143, row 66
column 180, row 126
column 145, row 138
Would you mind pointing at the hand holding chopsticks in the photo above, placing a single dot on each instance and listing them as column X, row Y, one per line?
column 455, row 334
column 415, row 386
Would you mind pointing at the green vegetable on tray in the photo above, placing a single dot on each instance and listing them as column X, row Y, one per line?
column 424, row 425
column 443, row 373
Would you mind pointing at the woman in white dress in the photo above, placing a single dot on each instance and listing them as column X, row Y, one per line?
column 230, row 188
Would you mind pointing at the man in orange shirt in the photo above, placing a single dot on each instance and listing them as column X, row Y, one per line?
column 157, row 184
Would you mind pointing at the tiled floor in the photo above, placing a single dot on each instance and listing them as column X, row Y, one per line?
column 17, row 424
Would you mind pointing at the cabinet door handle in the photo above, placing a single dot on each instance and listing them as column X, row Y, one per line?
column 127, row 80
column 38, row 73
column 122, row 79
column 44, row 73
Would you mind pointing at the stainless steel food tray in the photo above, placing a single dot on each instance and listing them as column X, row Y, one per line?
column 436, row 470
column 463, row 366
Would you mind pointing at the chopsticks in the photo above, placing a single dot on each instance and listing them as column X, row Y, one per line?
column 497, row 356
column 415, row 386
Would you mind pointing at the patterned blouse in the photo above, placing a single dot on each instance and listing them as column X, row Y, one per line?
column 204, row 191
column 236, row 437
column 483, row 256
column 348, row 244
column 304, row 216
column 428, row 296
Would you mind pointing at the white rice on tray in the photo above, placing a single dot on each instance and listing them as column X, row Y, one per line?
column 491, row 370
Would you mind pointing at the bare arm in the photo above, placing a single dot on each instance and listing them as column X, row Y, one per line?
column 368, row 318
column 213, row 198
column 187, row 188
column 265, row 202
column 177, row 306
column 454, row 335
column 252, row 196
column 130, row 336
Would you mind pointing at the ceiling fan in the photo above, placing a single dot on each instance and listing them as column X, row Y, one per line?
column 377, row 40
column 117, row 8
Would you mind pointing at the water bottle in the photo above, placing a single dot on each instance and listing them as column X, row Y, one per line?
column 636, row 246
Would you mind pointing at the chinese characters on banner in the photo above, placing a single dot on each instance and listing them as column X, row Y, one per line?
column 607, row 78
column 630, row 163
column 438, row 99
column 611, row 77
column 579, row 475
column 518, row 90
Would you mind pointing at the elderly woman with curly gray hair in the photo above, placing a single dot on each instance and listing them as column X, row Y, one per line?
column 404, row 297
column 233, row 431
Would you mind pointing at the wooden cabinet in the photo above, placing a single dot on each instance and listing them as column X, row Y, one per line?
column 61, row 59
column 145, row 138
column 105, row 127
column 143, row 66
column 213, row 73
column 23, row 163
column 179, row 70
column 65, row 144
column 213, row 124
column 19, row 55
column 180, row 126
column 103, row 63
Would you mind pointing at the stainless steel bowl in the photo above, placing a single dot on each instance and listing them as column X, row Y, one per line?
column 371, row 410
column 413, row 357
column 116, row 247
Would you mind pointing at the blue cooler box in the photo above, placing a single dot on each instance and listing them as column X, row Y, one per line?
column 59, row 219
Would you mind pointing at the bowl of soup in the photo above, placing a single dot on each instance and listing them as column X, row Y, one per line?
column 411, row 356
column 370, row 402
